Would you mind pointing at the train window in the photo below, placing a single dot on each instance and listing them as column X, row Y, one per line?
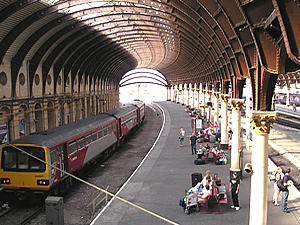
column 72, row 147
column 23, row 160
column 80, row 143
column 9, row 156
column 17, row 160
column 53, row 156
column 34, row 163
column 94, row 136
column 104, row 131
column 100, row 133
column 88, row 139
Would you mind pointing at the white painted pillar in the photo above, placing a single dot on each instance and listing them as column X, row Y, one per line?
column 288, row 96
column 224, row 121
column 216, row 108
column 198, row 99
column 248, row 110
column 182, row 95
column 236, row 105
column 260, row 124
column 193, row 99
column 203, row 103
column 188, row 97
column 210, row 113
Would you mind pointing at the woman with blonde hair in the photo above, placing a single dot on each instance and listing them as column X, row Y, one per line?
column 181, row 136
column 278, row 176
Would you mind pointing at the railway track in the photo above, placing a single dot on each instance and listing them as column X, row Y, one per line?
column 288, row 120
column 21, row 215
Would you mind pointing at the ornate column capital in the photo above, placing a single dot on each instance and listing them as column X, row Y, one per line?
column 237, row 104
column 193, row 89
column 187, row 89
column 225, row 97
column 204, row 91
column 197, row 89
column 261, row 121
column 209, row 92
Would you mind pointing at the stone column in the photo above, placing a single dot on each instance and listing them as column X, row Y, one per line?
column 198, row 98
column 224, row 121
column 216, row 108
column 193, row 99
column 287, row 96
column 260, row 126
column 168, row 94
column 210, row 114
column 188, row 97
column 203, row 103
column 182, row 93
column 236, row 105
column 248, row 110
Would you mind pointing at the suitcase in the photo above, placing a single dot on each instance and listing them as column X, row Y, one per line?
column 196, row 177
column 199, row 161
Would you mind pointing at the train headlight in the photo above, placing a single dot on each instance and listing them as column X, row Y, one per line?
column 5, row 181
column 42, row 182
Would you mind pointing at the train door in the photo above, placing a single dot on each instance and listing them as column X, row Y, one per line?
column 120, row 127
column 62, row 158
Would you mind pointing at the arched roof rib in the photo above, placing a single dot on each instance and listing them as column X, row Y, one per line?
column 188, row 41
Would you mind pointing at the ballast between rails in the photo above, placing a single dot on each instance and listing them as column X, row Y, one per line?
column 69, row 148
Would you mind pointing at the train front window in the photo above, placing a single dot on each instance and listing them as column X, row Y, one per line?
column 16, row 160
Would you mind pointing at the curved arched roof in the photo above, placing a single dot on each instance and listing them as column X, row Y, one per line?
column 186, row 40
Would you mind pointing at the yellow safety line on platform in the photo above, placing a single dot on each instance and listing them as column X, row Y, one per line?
column 98, row 188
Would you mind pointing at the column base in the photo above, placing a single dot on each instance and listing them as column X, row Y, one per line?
column 239, row 173
column 224, row 146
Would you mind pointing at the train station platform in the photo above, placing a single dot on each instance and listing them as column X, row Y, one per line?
column 162, row 178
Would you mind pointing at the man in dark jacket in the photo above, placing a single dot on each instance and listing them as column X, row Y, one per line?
column 193, row 140
column 285, row 190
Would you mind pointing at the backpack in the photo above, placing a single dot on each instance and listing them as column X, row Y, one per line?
column 281, row 186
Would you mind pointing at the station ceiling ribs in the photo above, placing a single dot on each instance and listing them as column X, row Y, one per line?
column 188, row 41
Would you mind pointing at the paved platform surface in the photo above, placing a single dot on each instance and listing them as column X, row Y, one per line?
column 161, row 180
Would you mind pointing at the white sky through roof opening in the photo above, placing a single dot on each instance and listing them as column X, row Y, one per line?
column 144, row 90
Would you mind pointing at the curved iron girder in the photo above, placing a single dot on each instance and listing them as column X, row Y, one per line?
column 94, row 44
column 22, row 26
column 77, row 58
column 137, row 72
column 288, row 14
column 37, row 57
column 94, row 59
column 145, row 82
column 59, row 64
column 215, row 34
column 100, row 67
column 143, row 77
column 57, row 50
column 13, row 7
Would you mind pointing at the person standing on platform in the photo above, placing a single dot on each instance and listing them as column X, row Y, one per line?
column 278, row 176
column 294, row 107
column 181, row 136
column 285, row 190
column 234, row 188
column 193, row 141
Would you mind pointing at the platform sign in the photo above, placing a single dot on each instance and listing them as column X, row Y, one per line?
column 198, row 124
